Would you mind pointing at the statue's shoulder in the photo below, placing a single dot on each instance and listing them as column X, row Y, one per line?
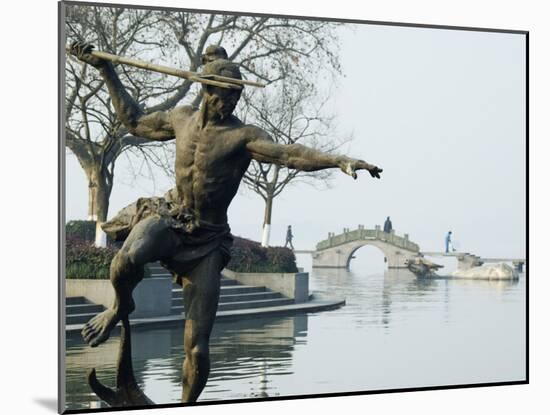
column 235, row 121
column 184, row 111
column 253, row 132
column 235, row 124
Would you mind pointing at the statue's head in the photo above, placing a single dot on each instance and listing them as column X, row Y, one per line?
column 212, row 53
column 221, row 101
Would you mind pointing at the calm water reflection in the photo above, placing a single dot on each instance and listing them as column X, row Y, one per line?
column 395, row 331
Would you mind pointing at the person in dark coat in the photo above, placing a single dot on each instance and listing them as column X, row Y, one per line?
column 387, row 225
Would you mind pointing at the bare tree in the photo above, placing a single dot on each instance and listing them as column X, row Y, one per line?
column 290, row 115
column 267, row 49
column 93, row 133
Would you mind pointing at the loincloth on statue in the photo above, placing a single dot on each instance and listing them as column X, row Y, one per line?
column 120, row 226
column 193, row 247
column 194, row 238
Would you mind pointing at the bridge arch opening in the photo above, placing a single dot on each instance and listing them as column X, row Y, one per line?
column 367, row 259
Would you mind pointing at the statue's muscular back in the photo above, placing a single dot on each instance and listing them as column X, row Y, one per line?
column 210, row 162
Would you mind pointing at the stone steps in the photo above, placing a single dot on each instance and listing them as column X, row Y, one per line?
column 237, row 297
column 227, row 290
column 233, row 296
column 177, row 300
column 83, row 308
column 74, row 300
column 79, row 318
column 79, row 310
column 224, row 282
column 244, row 305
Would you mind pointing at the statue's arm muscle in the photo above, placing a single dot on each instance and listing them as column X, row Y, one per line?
column 295, row 156
column 154, row 126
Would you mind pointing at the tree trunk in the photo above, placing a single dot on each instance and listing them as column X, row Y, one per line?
column 99, row 191
column 267, row 219
column 270, row 195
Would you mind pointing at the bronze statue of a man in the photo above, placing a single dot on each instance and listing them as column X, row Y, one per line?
column 190, row 236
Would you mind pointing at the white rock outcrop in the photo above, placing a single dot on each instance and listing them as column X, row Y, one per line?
column 498, row 271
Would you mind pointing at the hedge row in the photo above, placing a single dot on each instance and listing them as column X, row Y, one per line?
column 83, row 230
column 85, row 261
column 250, row 256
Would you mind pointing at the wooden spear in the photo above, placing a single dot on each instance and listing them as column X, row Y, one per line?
column 214, row 80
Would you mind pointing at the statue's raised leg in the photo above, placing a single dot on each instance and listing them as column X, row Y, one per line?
column 150, row 240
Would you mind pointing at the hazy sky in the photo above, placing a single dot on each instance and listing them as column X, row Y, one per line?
column 441, row 111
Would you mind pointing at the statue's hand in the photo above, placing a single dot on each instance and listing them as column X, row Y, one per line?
column 82, row 51
column 350, row 166
column 373, row 170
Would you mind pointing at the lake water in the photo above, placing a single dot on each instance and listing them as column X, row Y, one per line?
column 394, row 332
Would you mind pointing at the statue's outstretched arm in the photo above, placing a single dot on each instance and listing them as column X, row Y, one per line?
column 300, row 157
column 154, row 126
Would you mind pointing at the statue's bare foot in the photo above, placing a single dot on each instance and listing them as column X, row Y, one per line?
column 98, row 329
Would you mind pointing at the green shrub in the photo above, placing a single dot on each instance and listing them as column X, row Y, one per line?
column 85, row 261
column 282, row 259
column 83, row 230
column 250, row 256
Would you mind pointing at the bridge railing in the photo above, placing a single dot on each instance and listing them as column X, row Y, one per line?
column 362, row 233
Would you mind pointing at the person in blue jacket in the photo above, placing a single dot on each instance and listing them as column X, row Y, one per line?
column 448, row 242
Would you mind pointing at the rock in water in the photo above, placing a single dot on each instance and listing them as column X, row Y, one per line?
column 421, row 267
column 498, row 271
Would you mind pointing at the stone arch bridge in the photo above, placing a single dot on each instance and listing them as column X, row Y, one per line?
column 337, row 251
